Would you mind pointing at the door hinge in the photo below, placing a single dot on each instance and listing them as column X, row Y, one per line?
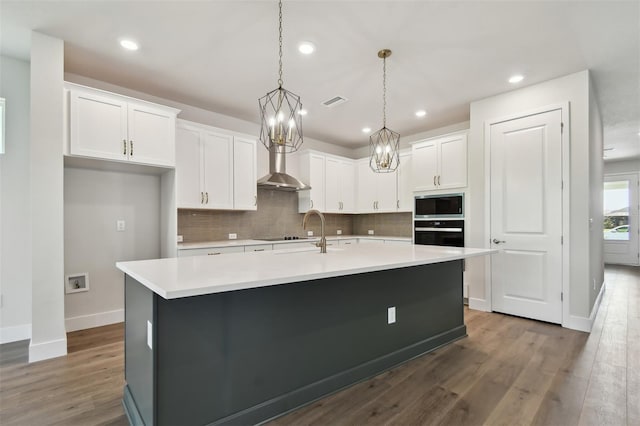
column 561, row 296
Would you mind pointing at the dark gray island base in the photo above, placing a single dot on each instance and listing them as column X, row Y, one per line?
column 247, row 356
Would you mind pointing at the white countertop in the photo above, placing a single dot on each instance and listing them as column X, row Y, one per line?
column 197, row 275
column 231, row 243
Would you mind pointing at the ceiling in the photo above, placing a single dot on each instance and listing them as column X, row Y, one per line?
column 222, row 55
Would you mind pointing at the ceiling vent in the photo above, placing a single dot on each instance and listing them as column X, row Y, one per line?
column 337, row 100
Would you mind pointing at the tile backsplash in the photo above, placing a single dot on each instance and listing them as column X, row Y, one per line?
column 277, row 216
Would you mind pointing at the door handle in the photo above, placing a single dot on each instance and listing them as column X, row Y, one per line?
column 497, row 241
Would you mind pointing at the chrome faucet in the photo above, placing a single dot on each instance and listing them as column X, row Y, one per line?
column 323, row 240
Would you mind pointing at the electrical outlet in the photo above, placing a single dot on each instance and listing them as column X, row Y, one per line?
column 391, row 315
column 370, row 232
column 180, row 239
column 120, row 225
column 339, row 232
column 309, row 233
column 233, row 236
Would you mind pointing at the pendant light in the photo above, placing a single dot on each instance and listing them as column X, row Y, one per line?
column 280, row 112
column 384, row 144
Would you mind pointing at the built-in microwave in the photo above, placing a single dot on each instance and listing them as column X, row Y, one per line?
column 439, row 206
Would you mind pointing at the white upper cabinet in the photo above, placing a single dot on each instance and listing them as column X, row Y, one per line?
column 339, row 185
column 405, row 182
column 440, row 163
column 113, row 127
column 377, row 192
column 312, row 172
column 245, row 189
column 214, row 169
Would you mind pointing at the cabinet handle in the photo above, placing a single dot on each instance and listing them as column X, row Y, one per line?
column 131, row 149
column 311, row 201
column 397, row 204
column 213, row 254
column 124, row 146
column 206, row 197
column 255, row 200
column 374, row 205
column 258, row 249
column 434, row 180
column 438, row 180
column 201, row 197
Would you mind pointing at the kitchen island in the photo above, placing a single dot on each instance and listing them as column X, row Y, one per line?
column 242, row 338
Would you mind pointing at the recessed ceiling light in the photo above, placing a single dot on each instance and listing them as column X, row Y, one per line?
column 421, row 113
column 516, row 79
column 306, row 47
column 302, row 112
column 366, row 130
column 129, row 44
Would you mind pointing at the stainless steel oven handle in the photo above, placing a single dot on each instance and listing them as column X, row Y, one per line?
column 440, row 229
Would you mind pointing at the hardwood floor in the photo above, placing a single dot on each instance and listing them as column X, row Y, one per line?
column 508, row 371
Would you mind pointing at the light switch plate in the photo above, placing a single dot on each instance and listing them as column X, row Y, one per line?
column 120, row 225
column 391, row 315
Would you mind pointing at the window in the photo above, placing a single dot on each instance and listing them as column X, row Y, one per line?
column 616, row 210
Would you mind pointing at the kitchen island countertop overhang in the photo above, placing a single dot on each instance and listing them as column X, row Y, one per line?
column 199, row 275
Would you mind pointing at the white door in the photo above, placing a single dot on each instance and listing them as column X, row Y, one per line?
column 151, row 135
column 189, row 193
column 526, row 216
column 217, row 178
column 245, row 189
column 98, row 126
column 621, row 219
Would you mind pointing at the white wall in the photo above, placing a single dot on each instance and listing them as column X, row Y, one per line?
column 15, row 204
column 48, row 337
column 622, row 166
column 93, row 201
column 573, row 88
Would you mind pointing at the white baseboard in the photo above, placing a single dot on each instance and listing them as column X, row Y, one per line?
column 15, row 333
column 479, row 304
column 47, row 350
column 583, row 323
column 94, row 320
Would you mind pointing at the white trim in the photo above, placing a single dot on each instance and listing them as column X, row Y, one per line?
column 94, row 320
column 479, row 304
column 15, row 333
column 564, row 108
column 47, row 350
column 586, row 324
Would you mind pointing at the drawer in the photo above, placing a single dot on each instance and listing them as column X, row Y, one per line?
column 210, row 251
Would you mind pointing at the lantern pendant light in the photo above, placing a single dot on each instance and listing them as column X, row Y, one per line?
column 384, row 144
column 281, row 121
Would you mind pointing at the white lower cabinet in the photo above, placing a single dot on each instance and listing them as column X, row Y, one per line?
column 210, row 251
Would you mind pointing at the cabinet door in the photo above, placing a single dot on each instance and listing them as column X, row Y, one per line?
column 98, row 126
column 316, row 178
column 405, row 187
column 217, row 160
column 189, row 193
column 347, row 186
column 453, row 162
column 332, row 185
column 152, row 137
column 366, row 184
column 387, row 192
column 245, row 189
column 425, row 166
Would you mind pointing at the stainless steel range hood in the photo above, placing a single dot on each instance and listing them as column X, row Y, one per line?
column 278, row 179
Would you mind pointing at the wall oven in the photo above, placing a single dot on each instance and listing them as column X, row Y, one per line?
column 439, row 220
